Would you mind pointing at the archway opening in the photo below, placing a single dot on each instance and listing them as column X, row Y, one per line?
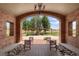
column 32, row 26
column 60, row 17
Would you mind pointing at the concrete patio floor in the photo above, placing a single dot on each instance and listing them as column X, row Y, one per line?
column 41, row 38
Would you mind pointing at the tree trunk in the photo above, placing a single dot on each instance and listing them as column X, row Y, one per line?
column 25, row 32
column 44, row 31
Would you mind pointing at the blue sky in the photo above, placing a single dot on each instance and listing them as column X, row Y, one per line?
column 53, row 22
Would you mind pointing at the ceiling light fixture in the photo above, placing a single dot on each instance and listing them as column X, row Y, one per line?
column 39, row 7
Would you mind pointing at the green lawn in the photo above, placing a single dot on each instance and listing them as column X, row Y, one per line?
column 53, row 33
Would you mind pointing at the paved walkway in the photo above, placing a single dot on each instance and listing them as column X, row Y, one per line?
column 41, row 37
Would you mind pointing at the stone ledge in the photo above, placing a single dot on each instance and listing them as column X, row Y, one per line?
column 70, row 48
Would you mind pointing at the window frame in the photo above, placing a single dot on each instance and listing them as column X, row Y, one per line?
column 11, row 29
column 70, row 28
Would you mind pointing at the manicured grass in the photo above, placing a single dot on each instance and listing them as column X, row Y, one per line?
column 53, row 33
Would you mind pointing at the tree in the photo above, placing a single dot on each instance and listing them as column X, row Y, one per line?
column 33, row 24
column 36, row 24
column 26, row 25
column 45, row 23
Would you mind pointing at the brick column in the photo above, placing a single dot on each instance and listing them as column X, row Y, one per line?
column 17, row 30
column 63, row 30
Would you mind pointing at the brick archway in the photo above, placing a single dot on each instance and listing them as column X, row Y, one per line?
column 57, row 15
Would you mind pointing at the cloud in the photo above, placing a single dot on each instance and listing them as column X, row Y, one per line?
column 54, row 22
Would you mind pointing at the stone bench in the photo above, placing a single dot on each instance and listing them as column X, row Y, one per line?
column 15, row 51
column 6, row 49
column 67, row 49
column 10, row 50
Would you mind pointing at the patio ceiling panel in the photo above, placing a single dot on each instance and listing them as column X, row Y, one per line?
column 20, row 8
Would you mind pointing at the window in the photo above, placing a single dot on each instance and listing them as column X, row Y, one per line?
column 72, row 28
column 9, row 28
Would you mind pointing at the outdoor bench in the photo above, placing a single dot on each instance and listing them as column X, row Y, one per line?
column 15, row 50
column 67, row 49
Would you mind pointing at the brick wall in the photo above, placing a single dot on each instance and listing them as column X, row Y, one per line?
column 4, row 40
column 70, row 39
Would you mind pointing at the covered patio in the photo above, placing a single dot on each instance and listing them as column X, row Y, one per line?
column 13, row 14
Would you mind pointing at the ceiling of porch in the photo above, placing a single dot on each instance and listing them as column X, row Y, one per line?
column 20, row 8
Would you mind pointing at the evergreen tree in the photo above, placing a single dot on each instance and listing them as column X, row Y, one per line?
column 45, row 23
